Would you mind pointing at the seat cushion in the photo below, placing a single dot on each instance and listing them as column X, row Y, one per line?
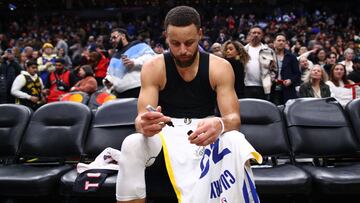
column 67, row 181
column 26, row 180
column 282, row 179
column 335, row 180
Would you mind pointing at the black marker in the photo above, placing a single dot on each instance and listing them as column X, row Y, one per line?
column 152, row 109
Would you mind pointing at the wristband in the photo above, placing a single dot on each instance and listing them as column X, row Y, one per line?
column 222, row 125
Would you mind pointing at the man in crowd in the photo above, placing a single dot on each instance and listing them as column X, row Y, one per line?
column 123, row 73
column 60, row 81
column 261, row 68
column 288, row 75
column 28, row 86
column 9, row 69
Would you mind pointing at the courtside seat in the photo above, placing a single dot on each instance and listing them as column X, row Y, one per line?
column 353, row 111
column 112, row 123
column 263, row 126
column 319, row 129
column 54, row 136
column 13, row 121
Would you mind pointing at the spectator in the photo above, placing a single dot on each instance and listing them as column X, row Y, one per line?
column 123, row 74
column 337, row 82
column 28, row 87
column 62, row 54
column 216, row 49
column 314, row 85
column 355, row 74
column 60, row 81
column 349, row 55
column 46, row 62
column 261, row 68
column 88, row 83
column 288, row 75
column 330, row 62
column 9, row 69
column 99, row 62
column 235, row 53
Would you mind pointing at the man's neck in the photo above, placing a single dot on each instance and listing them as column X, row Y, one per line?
column 280, row 52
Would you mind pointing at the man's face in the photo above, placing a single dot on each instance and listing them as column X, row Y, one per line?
column 116, row 38
column 280, row 42
column 256, row 35
column 32, row 69
column 183, row 43
column 59, row 66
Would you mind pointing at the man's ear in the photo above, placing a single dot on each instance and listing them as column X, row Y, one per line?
column 201, row 33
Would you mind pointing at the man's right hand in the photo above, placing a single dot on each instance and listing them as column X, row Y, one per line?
column 34, row 99
column 152, row 123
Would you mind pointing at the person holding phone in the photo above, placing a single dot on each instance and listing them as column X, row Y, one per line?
column 123, row 73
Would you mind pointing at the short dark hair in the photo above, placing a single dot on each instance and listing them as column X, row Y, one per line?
column 182, row 16
column 280, row 34
column 256, row 26
column 120, row 30
column 60, row 60
column 30, row 62
column 88, row 70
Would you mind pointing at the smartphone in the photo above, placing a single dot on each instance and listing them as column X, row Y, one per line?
column 123, row 56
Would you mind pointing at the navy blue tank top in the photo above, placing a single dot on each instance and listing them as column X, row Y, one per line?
column 193, row 99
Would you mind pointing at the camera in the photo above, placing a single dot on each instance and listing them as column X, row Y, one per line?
column 62, row 86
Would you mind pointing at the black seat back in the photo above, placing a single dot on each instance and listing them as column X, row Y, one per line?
column 353, row 111
column 57, row 130
column 319, row 128
column 13, row 121
column 112, row 122
column 263, row 126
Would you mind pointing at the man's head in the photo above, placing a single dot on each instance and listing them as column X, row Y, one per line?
column 280, row 42
column 255, row 36
column 118, row 38
column 48, row 48
column 59, row 64
column 31, row 67
column 183, row 33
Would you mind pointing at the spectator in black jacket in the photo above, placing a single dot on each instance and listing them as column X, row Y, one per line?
column 9, row 69
column 288, row 75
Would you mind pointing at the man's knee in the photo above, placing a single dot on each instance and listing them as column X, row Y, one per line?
column 134, row 142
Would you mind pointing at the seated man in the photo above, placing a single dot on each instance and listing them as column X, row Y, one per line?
column 207, row 158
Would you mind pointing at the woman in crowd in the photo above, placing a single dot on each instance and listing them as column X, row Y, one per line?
column 314, row 84
column 88, row 83
column 337, row 82
column 235, row 53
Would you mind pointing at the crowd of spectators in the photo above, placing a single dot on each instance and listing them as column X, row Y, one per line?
column 318, row 37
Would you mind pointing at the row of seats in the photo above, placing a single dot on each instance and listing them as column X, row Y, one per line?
column 39, row 150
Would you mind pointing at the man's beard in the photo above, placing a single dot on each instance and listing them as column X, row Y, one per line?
column 185, row 64
column 119, row 45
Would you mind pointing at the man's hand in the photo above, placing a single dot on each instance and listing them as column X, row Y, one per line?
column 207, row 131
column 34, row 99
column 128, row 63
column 152, row 123
column 287, row 82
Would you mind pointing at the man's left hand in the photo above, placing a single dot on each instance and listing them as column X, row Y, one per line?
column 207, row 131
column 287, row 82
